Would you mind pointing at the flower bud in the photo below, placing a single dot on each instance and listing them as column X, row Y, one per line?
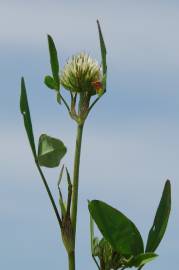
column 80, row 74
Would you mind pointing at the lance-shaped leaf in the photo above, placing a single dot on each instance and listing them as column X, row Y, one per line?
column 116, row 228
column 24, row 108
column 54, row 61
column 103, row 57
column 103, row 49
column 61, row 202
column 159, row 226
column 50, row 151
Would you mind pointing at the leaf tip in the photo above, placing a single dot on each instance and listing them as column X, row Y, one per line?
column 22, row 83
column 168, row 183
column 22, row 93
column 168, row 187
column 49, row 37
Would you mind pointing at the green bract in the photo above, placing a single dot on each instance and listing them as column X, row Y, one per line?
column 80, row 74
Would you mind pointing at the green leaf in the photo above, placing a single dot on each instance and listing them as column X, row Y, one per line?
column 142, row 259
column 50, row 83
column 159, row 226
column 103, row 49
column 58, row 97
column 62, row 207
column 68, row 177
column 24, row 108
column 61, row 202
column 116, row 228
column 50, row 151
column 54, row 62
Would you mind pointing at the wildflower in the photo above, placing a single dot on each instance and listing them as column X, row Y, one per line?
column 82, row 74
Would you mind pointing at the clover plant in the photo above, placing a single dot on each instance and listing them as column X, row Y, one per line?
column 121, row 245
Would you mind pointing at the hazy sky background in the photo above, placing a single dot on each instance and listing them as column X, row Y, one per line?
column 131, row 139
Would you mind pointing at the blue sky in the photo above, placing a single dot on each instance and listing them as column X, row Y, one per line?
column 130, row 144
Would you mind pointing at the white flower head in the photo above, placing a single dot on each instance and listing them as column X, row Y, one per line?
column 80, row 73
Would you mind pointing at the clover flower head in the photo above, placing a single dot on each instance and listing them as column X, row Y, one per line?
column 81, row 73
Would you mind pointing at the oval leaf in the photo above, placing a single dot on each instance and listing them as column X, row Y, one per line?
column 50, row 83
column 50, row 151
column 159, row 226
column 121, row 233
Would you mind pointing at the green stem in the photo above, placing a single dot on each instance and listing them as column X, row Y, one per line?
column 71, row 260
column 76, row 178
column 96, row 262
column 71, row 255
column 49, row 194
column 65, row 103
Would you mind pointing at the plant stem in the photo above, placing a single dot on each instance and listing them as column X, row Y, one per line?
column 76, row 178
column 71, row 260
column 49, row 194
column 96, row 262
